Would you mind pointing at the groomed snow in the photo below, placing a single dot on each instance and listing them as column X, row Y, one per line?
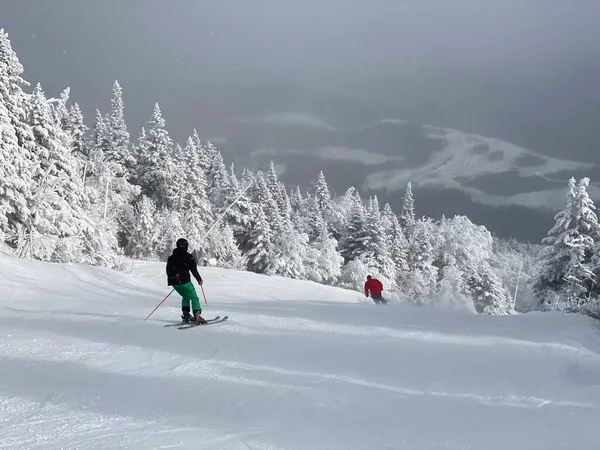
column 297, row 366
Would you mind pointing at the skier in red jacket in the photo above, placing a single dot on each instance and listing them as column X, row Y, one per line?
column 376, row 288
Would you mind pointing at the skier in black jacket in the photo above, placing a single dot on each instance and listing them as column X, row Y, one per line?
column 179, row 266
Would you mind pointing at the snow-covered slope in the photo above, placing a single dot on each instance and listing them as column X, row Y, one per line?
column 468, row 157
column 297, row 366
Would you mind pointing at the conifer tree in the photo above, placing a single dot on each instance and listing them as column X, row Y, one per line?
column 355, row 237
column 326, row 264
column 260, row 244
column 78, row 132
column 419, row 284
column 56, row 205
column 118, row 150
column 407, row 216
column 376, row 243
column 570, row 246
column 155, row 169
column 217, row 181
column 17, row 146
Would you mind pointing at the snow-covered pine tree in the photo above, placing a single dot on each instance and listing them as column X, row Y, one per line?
column 420, row 283
column 377, row 252
column 262, row 195
column 287, row 247
column 108, row 182
column 217, row 181
column 397, row 242
column 60, row 110
column 78, row 132
column 515, row 263
column 145, row 233
column 155, row 168
column 260, row 244
column 239, row 215
column 489, row 296
column 170, row 229
column 273, row 184
column 16, row 145
column 179, row 184
column 222, row 246
column 296, row 198
column 326, row 263
column 303, row 214
column 292, row 251
column 329, row 211
column 355, row 237
column 12, row 188
column 407, row 215
column 195, row 208
column 118, row 150
column 56, row 205
column 467, row 248
column 204, row 157
column 570, row 245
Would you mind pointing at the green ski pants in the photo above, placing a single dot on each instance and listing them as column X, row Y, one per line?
column 188, row 293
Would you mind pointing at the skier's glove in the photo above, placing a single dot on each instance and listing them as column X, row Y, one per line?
column 201, row 282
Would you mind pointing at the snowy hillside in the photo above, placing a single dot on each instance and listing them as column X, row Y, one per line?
column 296, row 366
column 471, row 163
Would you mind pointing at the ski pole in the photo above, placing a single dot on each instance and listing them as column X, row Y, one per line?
column 204, row 295
column 159, row 304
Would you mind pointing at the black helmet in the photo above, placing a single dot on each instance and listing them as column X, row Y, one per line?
column 182, row 243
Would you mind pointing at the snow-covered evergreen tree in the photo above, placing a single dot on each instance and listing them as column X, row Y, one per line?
column 419, row 285
column 239, row 214
column 118, row 150
column 273, row 184
column 193, row 204
column 331, row 213
column 377, row 251
column 407, row 216
column 356, row 235
column 570, row 246
column 60, row 110
column 78, row 132
column 218, row 180
column 260, row 244
column 56, row 204
column 489, row 296
column 325, row 262
column 397, row 244
column 16, row 144
column 291, row 247
column 145, row 233
column 223, row 246
column 155, row 168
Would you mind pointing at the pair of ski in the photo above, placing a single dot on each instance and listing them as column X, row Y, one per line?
column 185, row 326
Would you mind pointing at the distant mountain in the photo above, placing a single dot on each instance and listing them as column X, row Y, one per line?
column 511, row 190
column 489, row 170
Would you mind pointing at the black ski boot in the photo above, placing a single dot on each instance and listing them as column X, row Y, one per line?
column 198, row 319
column 187, row 317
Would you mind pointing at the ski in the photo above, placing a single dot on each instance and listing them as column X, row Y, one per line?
column 178, row 324
column 208, row 322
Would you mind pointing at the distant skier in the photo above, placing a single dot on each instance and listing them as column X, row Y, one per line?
column 375, row 287
column 179, row 266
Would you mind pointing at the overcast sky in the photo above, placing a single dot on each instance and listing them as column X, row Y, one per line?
column 527, row 71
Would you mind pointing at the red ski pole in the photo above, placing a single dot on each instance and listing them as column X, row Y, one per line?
column 204, row 295
column 159, row 304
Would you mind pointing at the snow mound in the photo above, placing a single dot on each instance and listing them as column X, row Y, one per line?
column 296, row 366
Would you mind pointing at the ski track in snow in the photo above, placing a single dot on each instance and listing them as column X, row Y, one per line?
column 296, row 366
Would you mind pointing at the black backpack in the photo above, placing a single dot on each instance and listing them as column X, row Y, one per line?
column 177, row 268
